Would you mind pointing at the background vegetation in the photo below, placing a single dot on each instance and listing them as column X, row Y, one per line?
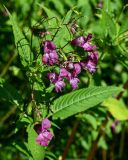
column 85, row 136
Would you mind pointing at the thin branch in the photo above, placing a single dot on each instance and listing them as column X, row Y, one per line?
column 70, row 140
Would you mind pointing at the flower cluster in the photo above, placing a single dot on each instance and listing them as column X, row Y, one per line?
column 69, row 70
column 44, row 135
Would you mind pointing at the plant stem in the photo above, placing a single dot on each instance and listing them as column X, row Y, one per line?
column 11, row 58
column 70, row 140
column 122, row 140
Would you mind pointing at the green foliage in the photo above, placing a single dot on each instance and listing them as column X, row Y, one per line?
column 9, row 93
column 27, row 96
column 23, row 47
column 37, row 151
column 109, row 26
column 81, row 100
column 116, row 108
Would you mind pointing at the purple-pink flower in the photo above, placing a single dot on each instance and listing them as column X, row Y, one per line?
column 48, row 46
column 90, row 63
column 57, row 81
column 74, row 69
column 84, row 42
column 44, row 135
column 88, row 47
column 74, row 82
column 59, row 85
column 79, row 41
column 63, row 73
column 50, row 56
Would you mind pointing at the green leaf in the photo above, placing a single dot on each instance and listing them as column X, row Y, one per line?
column 116, row 108
column 124, row 27
column 81, row 100
column 59, row 6
column 21, row 147
column 48, row 11
column 67, row 17
column 37, row 151
column 90, row 119
column 108, row 24
column 26, row 56
column 9, row 93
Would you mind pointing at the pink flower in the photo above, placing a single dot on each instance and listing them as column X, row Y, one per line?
column 79, row 41
column 90, row 63
column 57, row 81
column 63, row 72
column 44, row 135
column 74, row 83
column 84, row 42
column 48, row 46
column 59, row 85
column 50, row 56
column 88, row 47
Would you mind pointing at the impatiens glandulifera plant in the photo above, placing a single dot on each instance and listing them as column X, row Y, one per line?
column 52, row 61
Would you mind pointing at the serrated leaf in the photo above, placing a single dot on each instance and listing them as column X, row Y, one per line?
column 23, row 47
column 116, row 108
column 36, row 150
column 9, row 93
column 81, row 100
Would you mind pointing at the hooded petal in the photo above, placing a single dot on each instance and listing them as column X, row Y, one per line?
column 74, row 83
column 53, row 57
column 46, row 124
column 59, row 85
column 47, row 135
column 45, row 58
column 52, row 77
column 48, row 46
column 79, row 41
column 63, row 72
column 41, row 140
column 77, row 69
column 88, row 47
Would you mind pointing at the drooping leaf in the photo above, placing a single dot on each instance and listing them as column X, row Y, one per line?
column 9, row 93
column 81, row 100
column 36, row 150
column 90, row 119
column 21, row 147
column 116, row 108
column 24, row 49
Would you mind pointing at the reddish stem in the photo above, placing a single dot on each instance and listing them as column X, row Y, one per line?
column 70, row 140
